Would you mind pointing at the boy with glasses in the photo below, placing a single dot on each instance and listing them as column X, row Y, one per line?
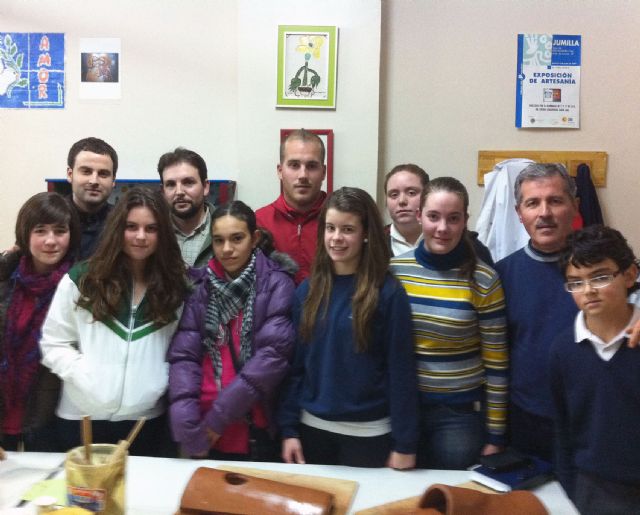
column 595, row 377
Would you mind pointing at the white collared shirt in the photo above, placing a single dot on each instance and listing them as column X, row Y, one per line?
column 606, row 350
column 399, row 245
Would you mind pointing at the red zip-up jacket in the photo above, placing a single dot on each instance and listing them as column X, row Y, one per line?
column 294, row 233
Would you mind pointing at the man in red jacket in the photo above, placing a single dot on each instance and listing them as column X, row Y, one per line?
column 293, row 217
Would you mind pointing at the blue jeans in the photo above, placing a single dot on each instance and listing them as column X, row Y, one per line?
column 451, row 436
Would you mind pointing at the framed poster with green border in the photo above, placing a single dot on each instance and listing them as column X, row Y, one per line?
column 307, row 66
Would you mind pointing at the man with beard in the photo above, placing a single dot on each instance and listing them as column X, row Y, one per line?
column 183, row 174
column 293, row 217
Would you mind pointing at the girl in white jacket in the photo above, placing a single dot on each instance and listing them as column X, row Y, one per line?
column 110, row 323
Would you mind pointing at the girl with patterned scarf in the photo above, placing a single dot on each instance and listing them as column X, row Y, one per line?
column 47, row 232
column 233, row 344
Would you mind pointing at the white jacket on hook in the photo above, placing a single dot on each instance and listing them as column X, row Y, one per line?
column 498, row 225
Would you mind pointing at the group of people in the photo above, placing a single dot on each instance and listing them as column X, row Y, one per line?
column 309, row 331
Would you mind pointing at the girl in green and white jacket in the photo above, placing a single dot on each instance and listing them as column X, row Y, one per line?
column 110, row 324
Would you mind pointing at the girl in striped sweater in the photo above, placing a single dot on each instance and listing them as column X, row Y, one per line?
column 459, row 331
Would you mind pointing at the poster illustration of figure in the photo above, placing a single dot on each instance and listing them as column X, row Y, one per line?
column 306, row 66
column 548, row 81
column 100, row 70
column 99, row 67
column 305, row 81
column 31, row 70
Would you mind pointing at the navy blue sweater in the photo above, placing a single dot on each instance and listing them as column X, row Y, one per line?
column 597, row 406
column 332, row 381
column 538, row 308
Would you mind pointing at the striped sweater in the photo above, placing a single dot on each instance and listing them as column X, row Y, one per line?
column 459, row 330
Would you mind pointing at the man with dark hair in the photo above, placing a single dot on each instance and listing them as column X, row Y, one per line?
column 183, row 174
column 293, row 217
column 91, row 170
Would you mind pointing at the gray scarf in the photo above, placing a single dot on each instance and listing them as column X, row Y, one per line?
column 226, row 301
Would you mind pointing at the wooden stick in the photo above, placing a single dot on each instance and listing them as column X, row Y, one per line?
column 123, row 445
column 135, row 430
column 87, row 437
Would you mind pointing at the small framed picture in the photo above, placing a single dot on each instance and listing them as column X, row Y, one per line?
column 100, row 68
column 307, row 66
column 326, row 135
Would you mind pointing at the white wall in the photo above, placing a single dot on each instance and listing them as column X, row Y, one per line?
column 448, row 89
column 196, row 73
column 201, row 73
column 179, row 87
column 354, row 121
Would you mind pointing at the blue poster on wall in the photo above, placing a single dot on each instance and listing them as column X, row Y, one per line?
column 548, row 81
column 31, row 70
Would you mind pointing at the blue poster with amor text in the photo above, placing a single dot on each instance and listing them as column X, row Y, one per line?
column 32, row 70
column 548, row 81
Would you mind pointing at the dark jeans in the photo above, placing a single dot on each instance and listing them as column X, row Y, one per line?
column 597, row 496
column 44, row 439
column 451, row 436
column 223, row 456
column 530, row 433
column 326, row 448
column 153, row 439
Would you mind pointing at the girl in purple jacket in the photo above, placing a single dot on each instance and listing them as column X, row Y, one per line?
column 233, row 344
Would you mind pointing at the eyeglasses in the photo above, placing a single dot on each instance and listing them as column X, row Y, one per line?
column 597, row 282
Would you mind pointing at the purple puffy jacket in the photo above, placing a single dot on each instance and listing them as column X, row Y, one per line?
column 273, row 343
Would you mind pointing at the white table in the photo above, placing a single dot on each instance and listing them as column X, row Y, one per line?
column 155, row 485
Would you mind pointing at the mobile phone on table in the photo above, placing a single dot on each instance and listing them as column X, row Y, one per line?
column 509, row 459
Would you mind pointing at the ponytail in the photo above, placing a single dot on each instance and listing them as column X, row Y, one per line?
column 266, row 244
column 468, row 266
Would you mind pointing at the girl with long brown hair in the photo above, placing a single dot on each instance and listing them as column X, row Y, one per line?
column 110, row 324
column 351, row 398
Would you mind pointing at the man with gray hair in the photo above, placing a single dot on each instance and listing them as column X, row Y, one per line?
column 538, row 307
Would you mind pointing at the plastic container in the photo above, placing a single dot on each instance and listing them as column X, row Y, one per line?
column 99, row 486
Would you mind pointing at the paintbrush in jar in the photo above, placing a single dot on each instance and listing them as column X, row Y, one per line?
column 123, row 445
column 87, row 437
